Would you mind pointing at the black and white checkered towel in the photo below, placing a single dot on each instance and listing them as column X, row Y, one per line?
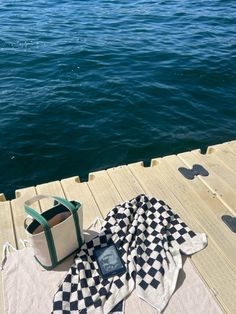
column 150, row 238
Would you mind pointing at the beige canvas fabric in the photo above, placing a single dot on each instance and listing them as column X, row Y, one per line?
column 29, row 288
column 65, row 242
column 190, row 297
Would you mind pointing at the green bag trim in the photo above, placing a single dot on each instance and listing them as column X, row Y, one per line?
column 77, row 225
column 48, row 233
column 73, row 207
column 47, row 215
column 53, row 266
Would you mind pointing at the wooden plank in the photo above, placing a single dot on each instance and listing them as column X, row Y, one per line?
column 128, row 187
column 107, row 196
column 225, row 193
column 71, row 189
column 106, row 189
column 209, row 262
column 2, row 197
column 125, row 183
column 225, row 154
column 103, row 190
column 232, row 146
column 51, row 188
column 7, row 234
column 154, row 185
column 204, row 206
column 75, row 190
column 18, row 211
column 218, row 166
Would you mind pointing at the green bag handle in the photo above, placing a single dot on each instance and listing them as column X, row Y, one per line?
column 41, row 220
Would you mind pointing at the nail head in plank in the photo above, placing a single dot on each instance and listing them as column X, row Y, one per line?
column 213, row 163
column 203, row 206
column 209, row 262
column 214, row 182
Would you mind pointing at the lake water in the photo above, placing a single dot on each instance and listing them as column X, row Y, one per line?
column 87, row 85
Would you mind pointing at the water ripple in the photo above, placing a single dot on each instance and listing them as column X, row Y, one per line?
column 86, row 85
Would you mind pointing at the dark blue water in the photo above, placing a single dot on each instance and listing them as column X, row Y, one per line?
column 87, row 85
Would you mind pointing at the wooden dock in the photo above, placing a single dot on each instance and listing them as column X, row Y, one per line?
column 200, row 202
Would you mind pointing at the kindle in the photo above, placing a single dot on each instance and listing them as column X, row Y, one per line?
column 109, row 261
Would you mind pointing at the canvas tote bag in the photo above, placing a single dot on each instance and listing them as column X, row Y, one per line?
column 56, row 233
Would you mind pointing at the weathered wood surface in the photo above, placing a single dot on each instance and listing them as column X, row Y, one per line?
column 201, row 202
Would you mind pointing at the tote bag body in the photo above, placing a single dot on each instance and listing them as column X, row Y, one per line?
column 60, row 230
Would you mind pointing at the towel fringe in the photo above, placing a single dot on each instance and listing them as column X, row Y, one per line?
column 96, row 220
column 24, row 242
column 5, row 252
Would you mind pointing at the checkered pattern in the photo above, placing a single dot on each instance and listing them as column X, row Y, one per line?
column 149, row 237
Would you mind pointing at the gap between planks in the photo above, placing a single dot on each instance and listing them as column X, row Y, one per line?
column 100, row 202
column 220, row 181
column 208, row 261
